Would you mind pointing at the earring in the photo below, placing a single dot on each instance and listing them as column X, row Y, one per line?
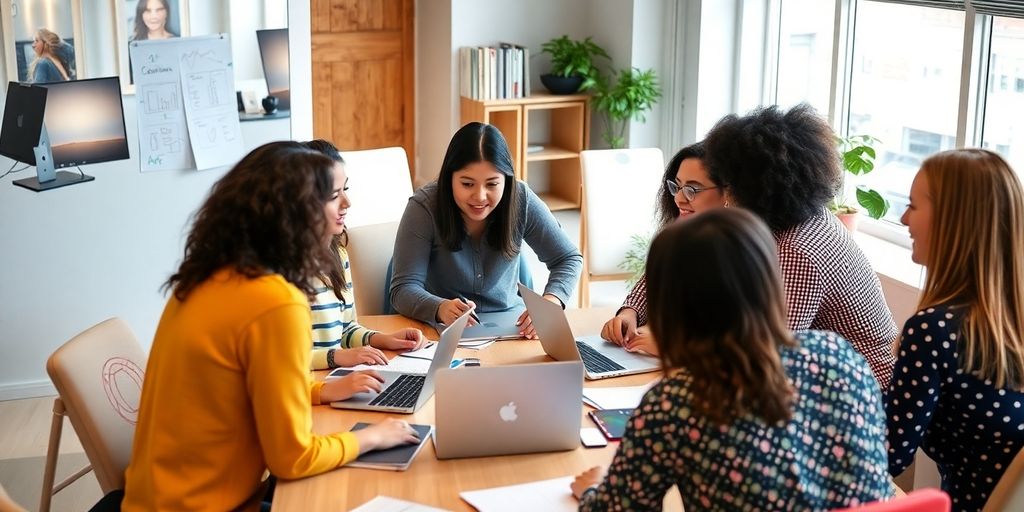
column 726, row 205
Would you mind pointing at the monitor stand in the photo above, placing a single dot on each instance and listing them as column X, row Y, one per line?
column 46, row 178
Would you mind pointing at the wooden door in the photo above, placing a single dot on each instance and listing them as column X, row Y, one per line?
column 363, row 89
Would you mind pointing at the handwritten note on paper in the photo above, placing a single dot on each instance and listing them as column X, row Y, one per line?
column 163, row 133
column 208, row 83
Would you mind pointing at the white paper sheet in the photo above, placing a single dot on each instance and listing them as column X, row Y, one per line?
column 549, row 495
column 388, row 504
column 415, row 362
column 163, row 133
column 211, row 110
column 624, row 397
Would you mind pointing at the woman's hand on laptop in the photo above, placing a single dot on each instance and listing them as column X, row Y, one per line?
column 525, row 323
column 346, row 357
column 405, row 339
column 345, row 387
column 642, row 342
column 621, row 328
column 386, row 434
column 450, row 310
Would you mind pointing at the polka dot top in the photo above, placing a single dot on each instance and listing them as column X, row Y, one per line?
column 831, row 454
column 968, row 427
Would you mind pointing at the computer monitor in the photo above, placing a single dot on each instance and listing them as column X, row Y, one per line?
column 23, row 121
column 274, row 53
column 85, row 122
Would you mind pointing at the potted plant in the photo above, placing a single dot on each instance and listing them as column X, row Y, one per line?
column 634, row 93
column 572, row 65
column 857, row 157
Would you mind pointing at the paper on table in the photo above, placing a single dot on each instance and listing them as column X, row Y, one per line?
column 624, row 397
column 415, row 362
column 388, row 504
column 549, row 495
column 477, row 344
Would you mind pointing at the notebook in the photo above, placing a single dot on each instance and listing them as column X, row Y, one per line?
column 495, row 325
column 394, row 459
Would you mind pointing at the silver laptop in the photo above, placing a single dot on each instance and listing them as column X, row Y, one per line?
column 498, row 325
column 501, row 410
column 405, row 392
column 602, row 359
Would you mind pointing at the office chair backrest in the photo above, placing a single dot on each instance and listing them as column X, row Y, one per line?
column 98, row 375
column 379, row 185
column 369, row 250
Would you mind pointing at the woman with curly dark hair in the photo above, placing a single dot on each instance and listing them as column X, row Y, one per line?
column 227, row 390
column 784, row 167
column 686, row 189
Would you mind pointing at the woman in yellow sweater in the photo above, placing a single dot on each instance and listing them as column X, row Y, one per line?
column 227, row 391
column 338, row 339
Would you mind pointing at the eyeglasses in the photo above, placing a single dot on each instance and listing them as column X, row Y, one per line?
column 689, row 191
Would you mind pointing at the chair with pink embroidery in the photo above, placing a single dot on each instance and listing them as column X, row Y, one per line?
column 98, row 375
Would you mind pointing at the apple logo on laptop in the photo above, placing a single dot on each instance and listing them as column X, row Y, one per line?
column 508, row 412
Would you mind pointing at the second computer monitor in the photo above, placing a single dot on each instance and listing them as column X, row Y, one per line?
column 274, row 52
column 85, row 121
column 23, row 121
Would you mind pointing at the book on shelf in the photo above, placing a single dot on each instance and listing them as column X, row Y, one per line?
column 490, row 73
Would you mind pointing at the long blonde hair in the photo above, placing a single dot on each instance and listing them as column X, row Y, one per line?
column 976, row 259
column 51, row 41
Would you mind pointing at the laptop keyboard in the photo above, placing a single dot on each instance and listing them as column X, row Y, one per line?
column 402, row 393
column 595, row 362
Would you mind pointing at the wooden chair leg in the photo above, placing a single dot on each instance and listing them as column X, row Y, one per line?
column 50, row 469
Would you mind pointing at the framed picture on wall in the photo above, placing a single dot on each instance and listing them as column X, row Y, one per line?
column 139, row 20
column 43, row 40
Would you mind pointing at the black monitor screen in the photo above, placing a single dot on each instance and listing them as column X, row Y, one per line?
column 23, row 119
column 85, row 122
column 274, row 51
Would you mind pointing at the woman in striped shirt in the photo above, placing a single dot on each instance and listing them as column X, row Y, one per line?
column 338, row 339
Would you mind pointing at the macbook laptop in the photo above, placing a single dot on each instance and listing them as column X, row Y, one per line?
column 602, row 359
column 405, row 392
column 501, row 410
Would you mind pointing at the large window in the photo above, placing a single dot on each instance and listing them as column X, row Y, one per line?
column 1004, row 106
column 805, row 53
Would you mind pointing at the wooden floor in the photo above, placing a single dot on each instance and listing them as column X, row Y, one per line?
column 24, row 433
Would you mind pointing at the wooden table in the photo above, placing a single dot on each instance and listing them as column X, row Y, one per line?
column 438, row 482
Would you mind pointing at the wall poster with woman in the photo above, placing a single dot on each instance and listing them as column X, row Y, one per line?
column 141, row 20
column 41, row 40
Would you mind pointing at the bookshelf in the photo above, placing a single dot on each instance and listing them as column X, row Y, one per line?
column 567, row 119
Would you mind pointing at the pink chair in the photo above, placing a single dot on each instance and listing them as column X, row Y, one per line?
column 921, row 500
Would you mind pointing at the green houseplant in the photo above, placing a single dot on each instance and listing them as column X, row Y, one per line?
column 632, row 94
column 572, row 64
column 857, row 157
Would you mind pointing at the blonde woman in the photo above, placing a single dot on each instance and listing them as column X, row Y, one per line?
column 51, row 63
column 956, row 389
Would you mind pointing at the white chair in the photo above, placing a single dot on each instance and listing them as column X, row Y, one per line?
column 379, row 185
column 98, row 375
column 369, row 251
column 620, row 188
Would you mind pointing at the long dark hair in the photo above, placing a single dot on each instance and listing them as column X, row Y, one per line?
column 718, row 310
column 266, row 215
column 335, row 275
column 478, row 142
column 666, row 210
column 141, row 30
column 781, row 165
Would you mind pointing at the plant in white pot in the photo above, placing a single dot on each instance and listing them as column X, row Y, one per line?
column 857, row 157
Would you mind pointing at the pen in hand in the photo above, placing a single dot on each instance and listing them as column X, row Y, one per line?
column 472, row 314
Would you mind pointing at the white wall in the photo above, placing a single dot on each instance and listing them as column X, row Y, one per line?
column 75, row 256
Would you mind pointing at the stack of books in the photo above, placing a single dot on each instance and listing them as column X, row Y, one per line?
column 494, row 73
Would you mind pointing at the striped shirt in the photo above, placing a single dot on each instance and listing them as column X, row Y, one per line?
column 334, row 320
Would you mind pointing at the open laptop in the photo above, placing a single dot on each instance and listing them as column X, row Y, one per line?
column 501, row 410
column 404, row 392
column 498, row 325
column 602, row 359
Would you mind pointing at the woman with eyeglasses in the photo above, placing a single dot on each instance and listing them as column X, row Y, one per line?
column 784, row 167
column 686, row 189
column 749, row 415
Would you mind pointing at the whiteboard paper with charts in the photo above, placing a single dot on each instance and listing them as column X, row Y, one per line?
column 187, row 115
